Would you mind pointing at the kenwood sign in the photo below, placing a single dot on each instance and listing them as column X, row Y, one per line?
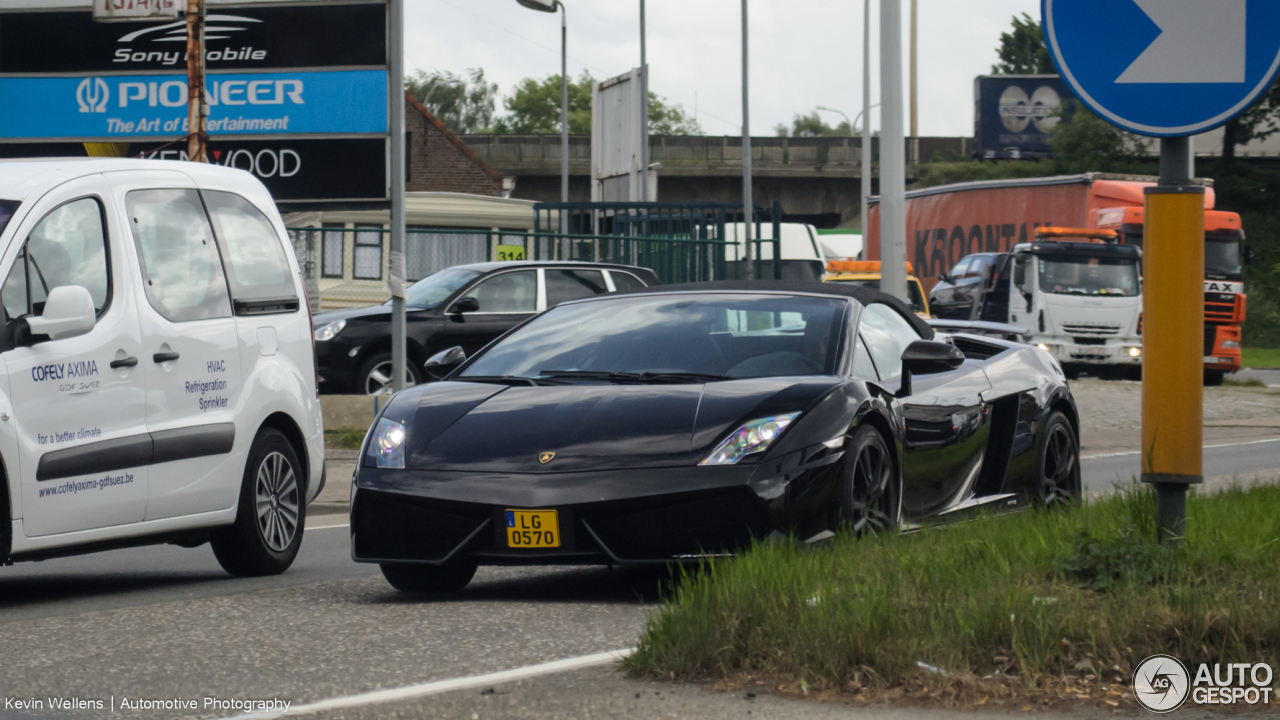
column 312, row 78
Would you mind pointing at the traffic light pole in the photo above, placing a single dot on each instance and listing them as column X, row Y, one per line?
column 1173, row 327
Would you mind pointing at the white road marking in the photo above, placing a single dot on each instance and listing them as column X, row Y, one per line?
column 326, row 527
column 1206, row 447
column 441, row 686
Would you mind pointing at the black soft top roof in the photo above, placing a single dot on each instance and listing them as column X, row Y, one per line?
column 863, row 295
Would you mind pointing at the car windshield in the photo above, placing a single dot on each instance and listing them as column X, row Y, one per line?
column 1222, row 257
column 435, row 289
column 672, row 337
column 914, row 298
column 1080, row 275
column 7, row 209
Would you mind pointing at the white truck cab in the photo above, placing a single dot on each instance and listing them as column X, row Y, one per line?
column 157, row 377
column 1081, row 301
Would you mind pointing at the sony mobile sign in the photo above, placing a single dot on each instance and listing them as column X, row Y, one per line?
column 141, row 106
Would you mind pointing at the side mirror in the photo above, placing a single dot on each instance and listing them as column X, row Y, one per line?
column 1248, row 254
column 926, row 357
column 464, row 305
column 443, row 362
column 68, row 312
column 943, row 277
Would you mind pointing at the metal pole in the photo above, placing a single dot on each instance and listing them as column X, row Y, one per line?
column 1173, row 319
column 866, row 119
column 915, row 112
column 564, row 115
column 893, row 155
column 644, row 114
column 748, row 217
column 396, row 110
column 196, row 107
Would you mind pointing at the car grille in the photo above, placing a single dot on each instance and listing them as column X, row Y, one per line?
column 410, row 528
column 1089, row 341
column 1095, row 330
column 680, row 527
column 1219, row 307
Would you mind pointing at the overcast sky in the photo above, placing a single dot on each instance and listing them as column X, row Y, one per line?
column 804, row 53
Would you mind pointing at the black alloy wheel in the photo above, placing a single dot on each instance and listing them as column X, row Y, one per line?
column 374, row 375
column 1059, row 481
column 439, row 579
column 870, row 500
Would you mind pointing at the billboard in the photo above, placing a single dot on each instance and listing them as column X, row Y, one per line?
column 294, row 91
column 1013, row 114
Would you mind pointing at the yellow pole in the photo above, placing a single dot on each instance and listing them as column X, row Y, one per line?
column 1173, row 340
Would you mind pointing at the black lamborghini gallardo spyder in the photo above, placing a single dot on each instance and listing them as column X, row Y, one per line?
column 682, row 422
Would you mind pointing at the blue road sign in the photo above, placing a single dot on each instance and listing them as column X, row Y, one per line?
column 1165, row 68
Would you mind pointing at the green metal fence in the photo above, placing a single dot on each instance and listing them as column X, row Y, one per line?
column 349, row 266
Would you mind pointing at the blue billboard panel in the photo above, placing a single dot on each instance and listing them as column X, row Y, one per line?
column 1013, row 114
column 142, row 106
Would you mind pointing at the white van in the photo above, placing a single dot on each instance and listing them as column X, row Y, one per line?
column 157, row 377
column 802, row 258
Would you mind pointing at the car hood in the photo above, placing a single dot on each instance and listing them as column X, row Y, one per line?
column 482, row 427
column 372, row 311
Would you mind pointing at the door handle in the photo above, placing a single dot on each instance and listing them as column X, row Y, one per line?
column 164, row 357
column 124, row 362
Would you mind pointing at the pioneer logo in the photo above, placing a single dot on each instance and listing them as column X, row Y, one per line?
column 92, row 95
column 217, row 27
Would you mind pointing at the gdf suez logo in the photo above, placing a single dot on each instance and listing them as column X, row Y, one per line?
column 92, row 94
column 1161, row 683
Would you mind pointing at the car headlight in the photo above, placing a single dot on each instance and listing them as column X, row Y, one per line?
column 1230, row 344
column 1135, row 352
column 752, row 437
column 329, row 331
column 387, row 444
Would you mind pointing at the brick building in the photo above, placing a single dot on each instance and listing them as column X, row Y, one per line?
column 440, row 161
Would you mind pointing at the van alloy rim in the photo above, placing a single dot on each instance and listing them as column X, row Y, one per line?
column 277, row 495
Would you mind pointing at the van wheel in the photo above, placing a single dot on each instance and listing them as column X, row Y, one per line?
column 271, row 514
column 410, row 578
column 374, row 376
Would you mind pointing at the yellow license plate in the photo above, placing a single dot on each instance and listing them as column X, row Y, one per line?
column 533, row 529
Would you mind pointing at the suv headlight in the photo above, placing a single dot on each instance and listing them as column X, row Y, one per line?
column 387, row 444
column 753, row 437
column 329, row 331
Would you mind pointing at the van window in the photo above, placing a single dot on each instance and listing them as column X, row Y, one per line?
column 254, row 259
column 68, row 247
column 180, row 265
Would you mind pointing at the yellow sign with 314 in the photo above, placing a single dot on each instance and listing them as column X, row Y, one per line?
column 510, row 252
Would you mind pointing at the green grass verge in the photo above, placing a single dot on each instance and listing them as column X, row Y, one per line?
column 1260, row 357
column 1046, row 590
column 344, row 438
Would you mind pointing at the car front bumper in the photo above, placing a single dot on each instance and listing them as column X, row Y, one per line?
column 1114, row 352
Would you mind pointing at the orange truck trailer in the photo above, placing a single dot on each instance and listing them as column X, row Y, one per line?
column 949, row 222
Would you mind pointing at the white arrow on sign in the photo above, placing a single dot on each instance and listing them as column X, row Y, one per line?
column 1201, row 41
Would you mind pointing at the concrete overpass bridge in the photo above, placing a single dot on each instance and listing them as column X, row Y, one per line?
column 817, row 179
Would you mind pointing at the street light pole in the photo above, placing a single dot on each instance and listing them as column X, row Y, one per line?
column 644, row 113
column 838, row 112
column 395, row 280
column 866, row 120
column 747, row 215
column 915, row 110
column 550, row 6
column 893, row 156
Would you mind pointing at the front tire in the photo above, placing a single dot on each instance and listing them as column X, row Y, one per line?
column 374, row 375
column 440, row 579
column 870, row 498
column 1058, row 482
column 271, row 514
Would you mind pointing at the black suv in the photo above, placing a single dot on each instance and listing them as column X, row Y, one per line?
column 465, row 305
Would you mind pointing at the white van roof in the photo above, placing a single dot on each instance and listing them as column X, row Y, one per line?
column 799, row 241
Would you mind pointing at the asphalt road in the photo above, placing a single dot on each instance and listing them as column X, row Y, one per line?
column 1245, row 460
column 165, row 622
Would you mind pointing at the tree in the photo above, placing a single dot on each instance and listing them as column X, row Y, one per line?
column 670, row 119
column 534, row 107
column 1084, row 142
column 1023, row 52
column 464, row 106
column 1257, row 123
column 811, row 125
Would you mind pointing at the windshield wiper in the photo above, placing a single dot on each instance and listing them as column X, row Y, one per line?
column 513, row 380
column 678, row 377
column 626, row 377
